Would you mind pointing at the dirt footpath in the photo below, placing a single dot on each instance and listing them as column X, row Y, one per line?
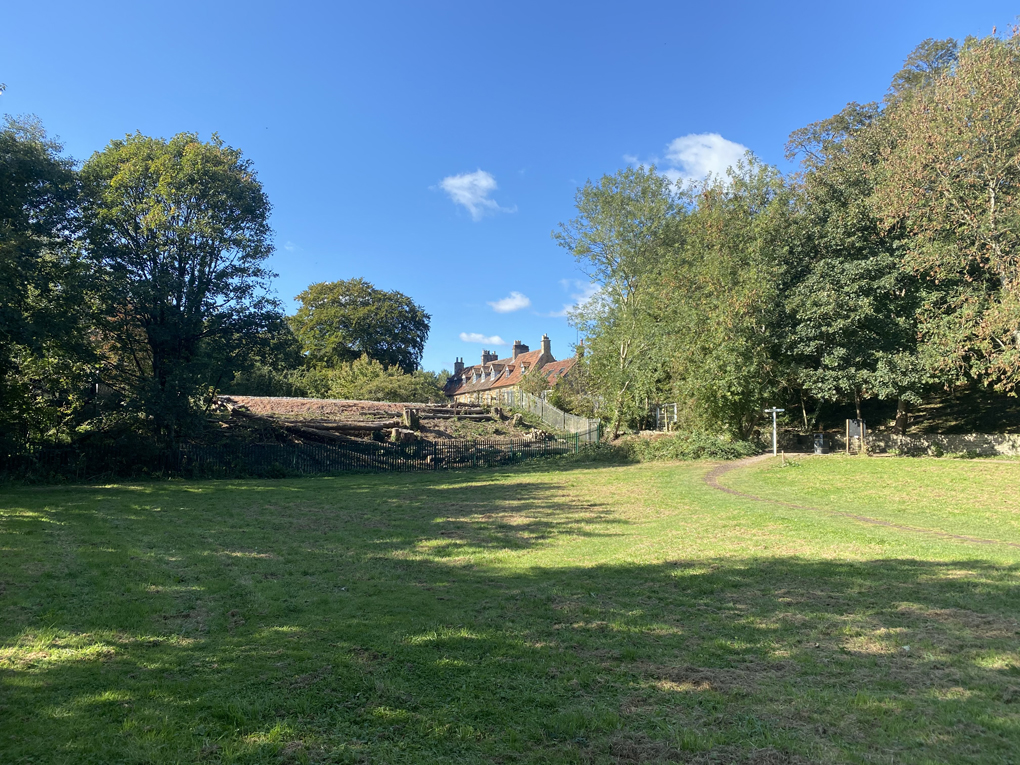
column 712, row 479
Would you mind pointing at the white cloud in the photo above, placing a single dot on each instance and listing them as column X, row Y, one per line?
column 471, row 191
column 697, row 155
column 515, row 301
column 478, row 337
column 580, row 293
column 291, row 247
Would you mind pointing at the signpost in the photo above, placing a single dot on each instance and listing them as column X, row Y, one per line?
column 773, row 411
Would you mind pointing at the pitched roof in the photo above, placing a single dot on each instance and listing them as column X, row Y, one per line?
column 507, row 373
column 554, row 370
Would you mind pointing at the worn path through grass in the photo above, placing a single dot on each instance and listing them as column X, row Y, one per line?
column 547, row 614
column 979, row 499
column 785, row 489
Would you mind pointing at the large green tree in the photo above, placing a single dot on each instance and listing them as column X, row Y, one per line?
column 949, row 181
column 42, row 301
column 341, row 321
column 723, row 320
column 626, row 224
column 180, row 230
column 853, row 307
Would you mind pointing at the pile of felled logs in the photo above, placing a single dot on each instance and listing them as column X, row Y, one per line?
column 410, row 421
column 401, row 430
column 454, row 412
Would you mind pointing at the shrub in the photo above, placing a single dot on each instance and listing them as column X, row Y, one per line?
column 689, row 445
column 362, row 379
column 264, row 380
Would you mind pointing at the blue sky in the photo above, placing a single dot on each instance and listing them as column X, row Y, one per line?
column 431, row 148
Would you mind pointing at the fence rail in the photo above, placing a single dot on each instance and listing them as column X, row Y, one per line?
column 588, row 431
column 239, row 460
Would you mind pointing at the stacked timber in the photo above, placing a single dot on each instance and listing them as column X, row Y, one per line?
column 402, row 429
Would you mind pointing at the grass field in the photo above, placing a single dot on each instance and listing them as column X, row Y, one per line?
column 546, row 614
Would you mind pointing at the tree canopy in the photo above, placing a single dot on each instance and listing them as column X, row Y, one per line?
column 179, row 232
column 43, row 301
column 625, row 224
column 949, row 180
column 341, row 321
column 887, row 267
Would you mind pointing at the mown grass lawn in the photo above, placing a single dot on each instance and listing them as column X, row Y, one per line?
column 546, row 614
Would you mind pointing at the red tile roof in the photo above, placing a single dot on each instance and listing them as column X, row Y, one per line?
column 508, row 373
column 554, row 370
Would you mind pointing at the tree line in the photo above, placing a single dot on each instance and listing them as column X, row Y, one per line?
column 886, row 268
column 134, row 287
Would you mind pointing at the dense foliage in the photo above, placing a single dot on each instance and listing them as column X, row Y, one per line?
column 134, row 288
column 687, row 445
column 339, row 322
column 43, row 305
column 885, row 269
column 178, row 232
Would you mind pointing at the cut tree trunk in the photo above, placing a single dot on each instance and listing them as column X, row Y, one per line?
column 403, row 436
column 902, row 416
column 348, row 427
column 411, row 420
column 476, row 417
column 427, row 411
column 316, row 434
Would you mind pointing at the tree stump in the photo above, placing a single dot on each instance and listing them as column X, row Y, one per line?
column 411, row 419
column 402, row 436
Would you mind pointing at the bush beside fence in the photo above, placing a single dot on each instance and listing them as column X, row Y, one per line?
column 253, row 460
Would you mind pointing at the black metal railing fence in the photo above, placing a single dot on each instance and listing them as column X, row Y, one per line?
column 275, row 460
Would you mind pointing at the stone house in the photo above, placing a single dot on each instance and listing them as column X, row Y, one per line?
column 496, row 381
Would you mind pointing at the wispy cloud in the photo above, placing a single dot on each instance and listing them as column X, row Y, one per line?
column 695, row 156
column 289, row 246
column 580, row 293
column 515, row 301
column 471, row 191
column 478, row 337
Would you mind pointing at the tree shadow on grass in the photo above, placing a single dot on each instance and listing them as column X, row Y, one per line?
column 344, row 656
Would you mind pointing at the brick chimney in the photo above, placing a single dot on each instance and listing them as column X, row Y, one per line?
column 458, row 366
column 488, row 357
column 519, row 348
column 546, row 346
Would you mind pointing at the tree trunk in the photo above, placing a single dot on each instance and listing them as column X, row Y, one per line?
column 857, row 403
column 902, row 416
column 618, row 414
column 411, row 420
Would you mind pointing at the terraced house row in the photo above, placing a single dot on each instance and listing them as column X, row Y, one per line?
column 497, row 381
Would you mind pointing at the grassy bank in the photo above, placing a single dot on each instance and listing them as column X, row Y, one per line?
column 604, row 615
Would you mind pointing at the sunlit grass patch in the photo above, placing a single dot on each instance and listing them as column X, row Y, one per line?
column 618, row 614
